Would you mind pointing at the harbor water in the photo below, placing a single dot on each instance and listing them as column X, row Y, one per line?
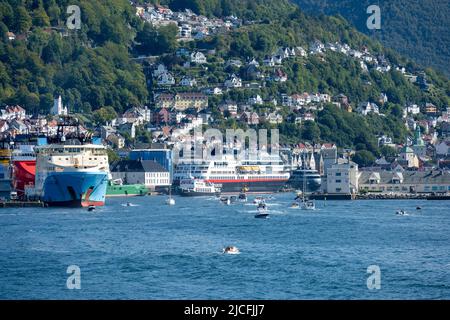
column 153, row 251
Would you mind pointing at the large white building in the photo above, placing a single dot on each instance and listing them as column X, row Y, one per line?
column 342, row 178
column 147, row 172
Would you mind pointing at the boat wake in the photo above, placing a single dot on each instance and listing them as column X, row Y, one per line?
column 129, row 205
column 230, row 253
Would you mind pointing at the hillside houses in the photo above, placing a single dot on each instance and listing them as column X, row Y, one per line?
column 165, row 79
column 250, row 118
column 187, row 81
column 304, row 100
column 182, row 101
column 191, row 26
column 366, row 108
column 13, row 112
column 198, row 58
column 233, row 82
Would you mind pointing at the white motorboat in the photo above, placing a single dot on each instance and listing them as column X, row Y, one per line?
column 170, row 201
column 242, row 197
column 295, row 205
column 308, row 205
column 225, row 200
column 231, row 250
column 258, row 200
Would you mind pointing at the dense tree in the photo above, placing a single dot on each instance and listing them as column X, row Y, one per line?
column 411, row 27
column 364, row 158
column 104, row 114
column 22, row 19
column 155, row 41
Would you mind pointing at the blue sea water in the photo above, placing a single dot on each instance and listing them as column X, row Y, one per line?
column 153, row 251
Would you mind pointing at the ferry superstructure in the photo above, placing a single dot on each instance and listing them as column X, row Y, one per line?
column 232, row 175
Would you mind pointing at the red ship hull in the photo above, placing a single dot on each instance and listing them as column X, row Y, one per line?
column 24, row 172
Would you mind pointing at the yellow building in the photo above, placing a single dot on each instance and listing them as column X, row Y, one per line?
column 183, row 101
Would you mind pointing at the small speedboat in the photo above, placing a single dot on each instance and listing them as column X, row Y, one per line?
column 418, row 208
column 258, row 200
column 262, row 207
column 170, row 201
column 262, row 211
column 225, row 200
column 91, row 208
column 231, row 250
column 401, row 212
column 308, row 205
column 242, row 197
column 262, row 215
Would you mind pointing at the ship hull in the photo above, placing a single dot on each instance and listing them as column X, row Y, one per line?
column 312, row 184
column 126, row 190
column 312, row 181
column 75, row 189
column 24, row 175
column 197, row 194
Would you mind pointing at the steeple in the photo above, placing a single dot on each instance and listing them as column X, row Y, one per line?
column 418, row 141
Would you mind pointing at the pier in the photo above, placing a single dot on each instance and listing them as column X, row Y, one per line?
column 379, row 196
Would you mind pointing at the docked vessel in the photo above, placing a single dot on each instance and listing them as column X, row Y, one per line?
column 312, row 177
column 5, row 175
column 256, row 176
column 116, row 188
column 23, row 168
column 71, row 169
column 198, row 187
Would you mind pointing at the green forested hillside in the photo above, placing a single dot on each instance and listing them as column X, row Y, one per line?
column 96, row 67
column 418, row 29
column 90, row 67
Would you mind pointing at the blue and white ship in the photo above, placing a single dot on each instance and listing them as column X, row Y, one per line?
column 71, row 170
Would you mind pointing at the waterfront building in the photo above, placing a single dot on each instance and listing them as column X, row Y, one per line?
column 384, row 181
column 329, row 156
column 161, row 156
column 342, row 178
column 146, row 172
